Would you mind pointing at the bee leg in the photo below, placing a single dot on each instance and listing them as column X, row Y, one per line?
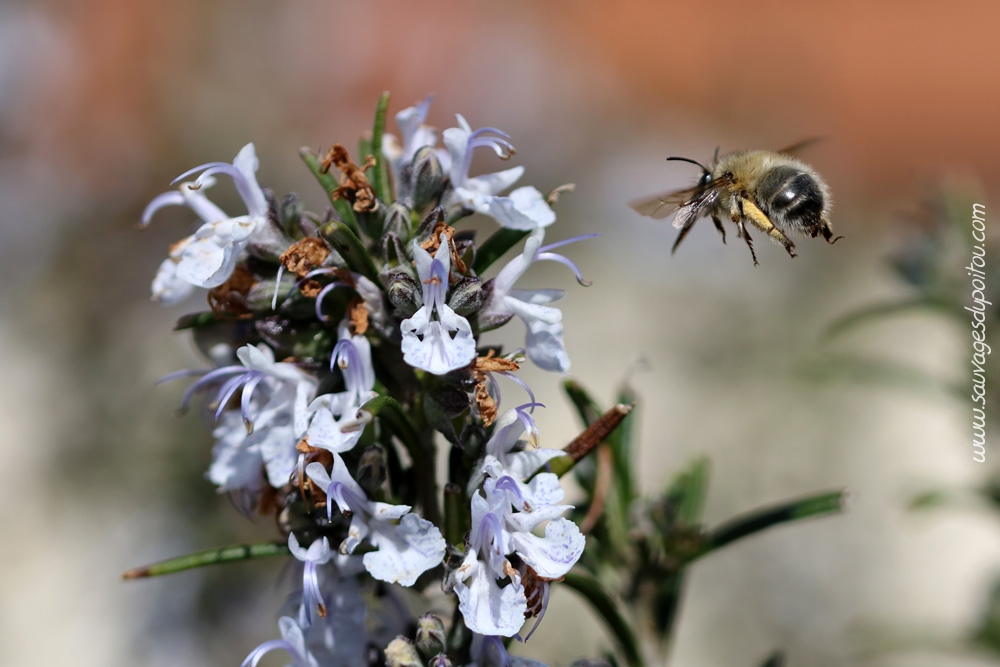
column 763, row 223
column 684, row 232
column 824, row 228
column 741, row 231
column 718, row 225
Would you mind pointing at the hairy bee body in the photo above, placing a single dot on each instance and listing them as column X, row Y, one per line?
column 774, row 192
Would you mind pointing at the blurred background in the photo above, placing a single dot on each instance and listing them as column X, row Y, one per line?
column 103, row 103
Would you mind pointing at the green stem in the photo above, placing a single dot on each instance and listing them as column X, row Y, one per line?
column 209, row 557
column 380, row 179
column 753, row 522
column 607, row 609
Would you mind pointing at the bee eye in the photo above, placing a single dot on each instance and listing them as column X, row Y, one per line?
column 705, row 179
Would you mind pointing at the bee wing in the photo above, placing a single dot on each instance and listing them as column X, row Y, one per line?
column 692, row 209
column 797, row 148
column 662, row 205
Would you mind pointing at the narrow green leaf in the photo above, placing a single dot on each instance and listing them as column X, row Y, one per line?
column 622, row 442
column 346, row 242
column 666, row 603
column 607, row 609
column 380, row 179
column 560, row 465
column 776, row 659
column 209, row 557
column 753, row 522
column 879, row 372
column 329, row 183
column 586, row 407
column 882, row 310
column 933, row 499
column 688, row 490
column 495, row 246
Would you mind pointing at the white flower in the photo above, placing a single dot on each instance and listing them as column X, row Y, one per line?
column 274, row 410
column 207, row 257
column 524, row 208
column 518, row 459
column 237, row 462
column 292, row 641
column 407, row 544
column 497, row 531
column 415, row 135
column 318, row 553
column 544, row 341
column 334, row 425
column 436, row 339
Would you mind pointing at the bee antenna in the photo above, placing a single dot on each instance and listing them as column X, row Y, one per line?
column 715, row 158
column 687, row 159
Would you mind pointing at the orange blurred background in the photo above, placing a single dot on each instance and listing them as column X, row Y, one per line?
column 103, row 103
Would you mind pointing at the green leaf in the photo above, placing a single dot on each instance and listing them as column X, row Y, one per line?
column 586, row 407
column 883, row 310
column 380, row 179
column 688, row 490
column 329, row 183
column 776, row 659
column 878, row 372
column 209, row 557
column 622, row 441
column 495, row 246
column 342, row 239
column 607, row 609
column 831, row 502
column 666, row 602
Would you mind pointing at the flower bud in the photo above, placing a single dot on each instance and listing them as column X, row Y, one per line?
column 440, row 660
column 290, row 214
column 397, row 221
column 372, row 471
column 372, row 220
column 466, row 296
column 426, row 177
column 404, row 293
column 402, row 653
column 430, row 635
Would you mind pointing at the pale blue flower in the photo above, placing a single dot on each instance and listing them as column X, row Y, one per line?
column 292, row 641
column 524, row 208
column 274, row 404
column 335, row 425
column 207, row 257
column 318, row 553
column 504, row 515
column 407, row 544
column 514, row 443
column 544, row 342
column 436, row 339
column 415, row 135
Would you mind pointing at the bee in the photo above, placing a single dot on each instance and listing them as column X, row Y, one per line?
column 774, row 192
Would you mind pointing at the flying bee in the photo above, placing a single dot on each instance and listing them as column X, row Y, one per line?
column 774, row 192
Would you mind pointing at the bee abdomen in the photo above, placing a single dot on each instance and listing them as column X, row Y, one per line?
column 792, row 196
